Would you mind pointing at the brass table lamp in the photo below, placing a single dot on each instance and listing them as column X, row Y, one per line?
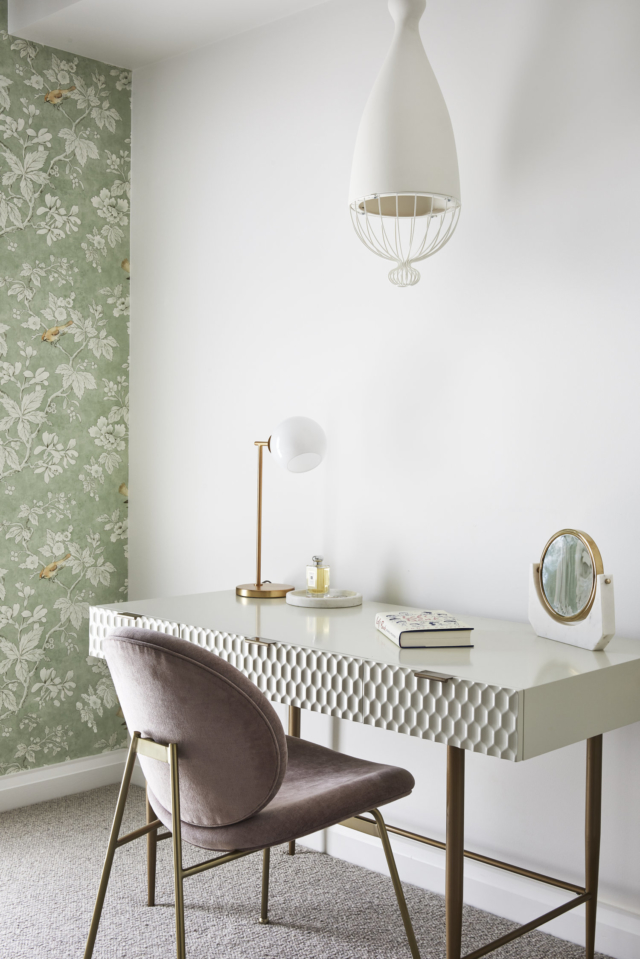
column 298, row 445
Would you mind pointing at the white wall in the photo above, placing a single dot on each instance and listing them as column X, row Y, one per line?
column 468, row 417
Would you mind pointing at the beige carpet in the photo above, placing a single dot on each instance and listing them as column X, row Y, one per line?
column 320, row 908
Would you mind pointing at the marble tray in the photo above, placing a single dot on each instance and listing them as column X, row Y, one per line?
column 335, row 599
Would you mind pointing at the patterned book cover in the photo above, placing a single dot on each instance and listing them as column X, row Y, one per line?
column 427, row 621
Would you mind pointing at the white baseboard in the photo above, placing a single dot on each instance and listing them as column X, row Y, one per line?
column 498, row 892
column 62, row 779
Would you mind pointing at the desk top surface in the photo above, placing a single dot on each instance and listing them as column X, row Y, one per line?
column 504, row 654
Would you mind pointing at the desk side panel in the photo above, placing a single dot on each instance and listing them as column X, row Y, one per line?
column 558, row 714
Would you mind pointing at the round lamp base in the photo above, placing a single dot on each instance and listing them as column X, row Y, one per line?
column 264, row 590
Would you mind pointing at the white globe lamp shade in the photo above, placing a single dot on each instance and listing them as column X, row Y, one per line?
column 298, row 444
column 405, row 187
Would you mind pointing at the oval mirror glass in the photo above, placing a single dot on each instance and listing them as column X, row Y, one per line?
column 567, row 575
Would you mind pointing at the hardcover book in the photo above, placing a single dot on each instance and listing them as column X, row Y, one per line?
column 423, row 629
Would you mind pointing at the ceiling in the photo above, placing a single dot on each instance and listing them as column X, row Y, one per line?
column 131, row 33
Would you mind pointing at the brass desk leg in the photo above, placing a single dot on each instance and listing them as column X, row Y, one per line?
column 592, row 837
column 454, row 876
column 294, row 730
column 152, row 846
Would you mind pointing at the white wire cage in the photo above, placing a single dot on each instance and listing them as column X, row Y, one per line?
column 405, row 228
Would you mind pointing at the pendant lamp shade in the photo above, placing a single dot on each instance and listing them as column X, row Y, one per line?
column 405, row 188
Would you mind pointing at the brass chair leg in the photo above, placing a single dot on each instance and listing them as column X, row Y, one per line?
column 177, row 851
column 152, row 847
column 294, row 730
column 264, row 907
column 111, row 848
column 592, row 838
column 395, row 879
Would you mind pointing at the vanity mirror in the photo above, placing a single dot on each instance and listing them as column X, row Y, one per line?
column 570, row 598
column 567, row 573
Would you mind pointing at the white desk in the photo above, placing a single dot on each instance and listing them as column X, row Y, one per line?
column 512, row 696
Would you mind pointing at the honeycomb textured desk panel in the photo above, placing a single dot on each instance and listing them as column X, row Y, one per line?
column 457, row 712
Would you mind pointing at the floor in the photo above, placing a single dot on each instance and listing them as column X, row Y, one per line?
column 320, row 908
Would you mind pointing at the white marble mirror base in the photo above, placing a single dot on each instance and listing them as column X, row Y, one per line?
column 594, row 632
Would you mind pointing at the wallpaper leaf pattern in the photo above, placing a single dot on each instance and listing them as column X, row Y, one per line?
column 64, row 305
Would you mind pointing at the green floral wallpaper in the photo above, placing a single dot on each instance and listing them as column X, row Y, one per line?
column 64, row 305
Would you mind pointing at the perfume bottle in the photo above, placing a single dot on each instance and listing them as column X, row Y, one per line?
column 317, row 578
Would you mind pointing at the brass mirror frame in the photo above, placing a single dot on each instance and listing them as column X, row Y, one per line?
column 596, row 563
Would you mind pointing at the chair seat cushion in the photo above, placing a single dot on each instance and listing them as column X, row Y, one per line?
column 321, row 787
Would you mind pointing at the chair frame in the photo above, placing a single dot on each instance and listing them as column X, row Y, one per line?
column 169, row 754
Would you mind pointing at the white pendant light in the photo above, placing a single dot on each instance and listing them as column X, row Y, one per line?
column 405, row 189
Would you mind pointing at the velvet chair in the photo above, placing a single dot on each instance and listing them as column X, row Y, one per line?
column 220, row 772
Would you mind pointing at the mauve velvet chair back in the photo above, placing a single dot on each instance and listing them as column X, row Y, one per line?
column 232, row 750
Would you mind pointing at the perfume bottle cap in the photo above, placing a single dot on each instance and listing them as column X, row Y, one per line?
column 317, row 560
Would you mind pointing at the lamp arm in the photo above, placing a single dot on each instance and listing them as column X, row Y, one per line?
column 260, row 444
column 260, row 590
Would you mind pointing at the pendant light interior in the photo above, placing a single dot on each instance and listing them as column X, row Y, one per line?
column 405, row 204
